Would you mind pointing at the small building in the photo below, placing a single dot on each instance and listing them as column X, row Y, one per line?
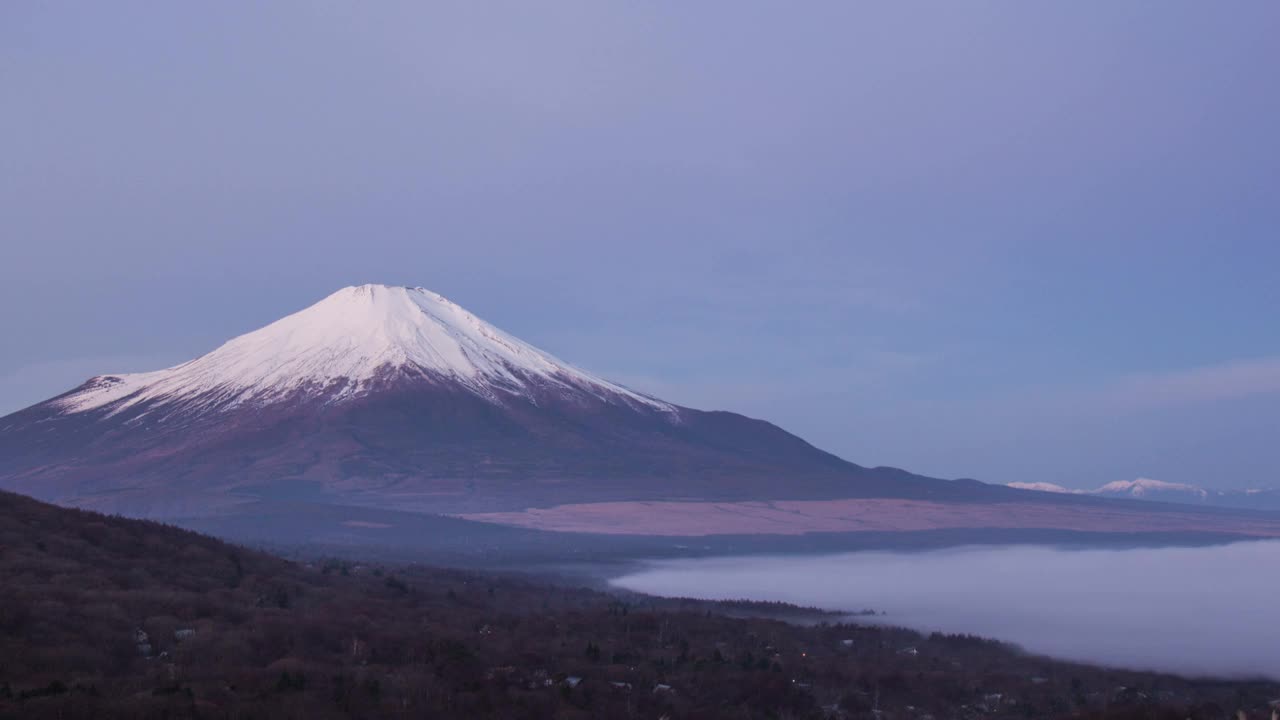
column 143, row 642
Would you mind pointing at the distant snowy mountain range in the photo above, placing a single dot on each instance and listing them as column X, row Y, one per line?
column 1160, row 491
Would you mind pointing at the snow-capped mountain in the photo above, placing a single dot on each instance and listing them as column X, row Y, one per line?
column 343, row 347
column 397, row 397
column 1044, row 487
column 1157, row 490
column 1148, row 488
column 381, row 406
column 1168, row 492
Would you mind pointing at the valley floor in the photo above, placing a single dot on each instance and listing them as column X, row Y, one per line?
column 796, row 517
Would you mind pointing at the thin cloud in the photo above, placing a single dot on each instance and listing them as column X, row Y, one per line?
column 1206, row 384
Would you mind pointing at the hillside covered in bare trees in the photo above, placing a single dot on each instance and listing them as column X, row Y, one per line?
column 107, row 617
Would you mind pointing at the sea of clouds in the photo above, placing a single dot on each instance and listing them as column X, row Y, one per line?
column 1197, row 611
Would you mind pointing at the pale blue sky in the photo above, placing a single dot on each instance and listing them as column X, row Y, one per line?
column 1012, row 241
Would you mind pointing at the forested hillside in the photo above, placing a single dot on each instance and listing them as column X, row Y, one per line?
column 106, row 617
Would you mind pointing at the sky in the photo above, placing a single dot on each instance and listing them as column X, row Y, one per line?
column 1009, row 241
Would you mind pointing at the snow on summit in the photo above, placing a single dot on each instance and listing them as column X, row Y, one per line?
column 1043, row 487
column 1143, row 486
column 340, row 344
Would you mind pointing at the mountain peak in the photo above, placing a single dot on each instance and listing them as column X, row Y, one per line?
column 1142, row 486
column 374, row 292
column 344, row 343
column 1043, row 487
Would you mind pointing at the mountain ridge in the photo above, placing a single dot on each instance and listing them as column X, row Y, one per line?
column 380, row 395
column 1150, row 490
column 396, row 398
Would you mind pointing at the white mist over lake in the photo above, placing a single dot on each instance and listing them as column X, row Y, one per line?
column 1205, row 610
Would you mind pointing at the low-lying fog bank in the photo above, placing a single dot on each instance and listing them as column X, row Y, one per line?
column 1207, row 610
